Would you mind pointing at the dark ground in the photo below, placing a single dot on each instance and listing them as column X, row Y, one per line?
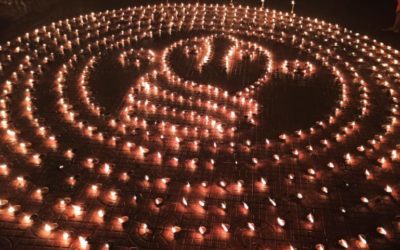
column 364, row 16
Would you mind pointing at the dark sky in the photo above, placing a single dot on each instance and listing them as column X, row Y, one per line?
column 364, row 16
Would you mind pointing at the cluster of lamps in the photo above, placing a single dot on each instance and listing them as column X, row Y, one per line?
column 209, row 172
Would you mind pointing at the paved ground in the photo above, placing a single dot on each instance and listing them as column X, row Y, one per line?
column 249, row 185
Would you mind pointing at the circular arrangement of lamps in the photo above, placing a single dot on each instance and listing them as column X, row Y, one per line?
column 173, row 167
